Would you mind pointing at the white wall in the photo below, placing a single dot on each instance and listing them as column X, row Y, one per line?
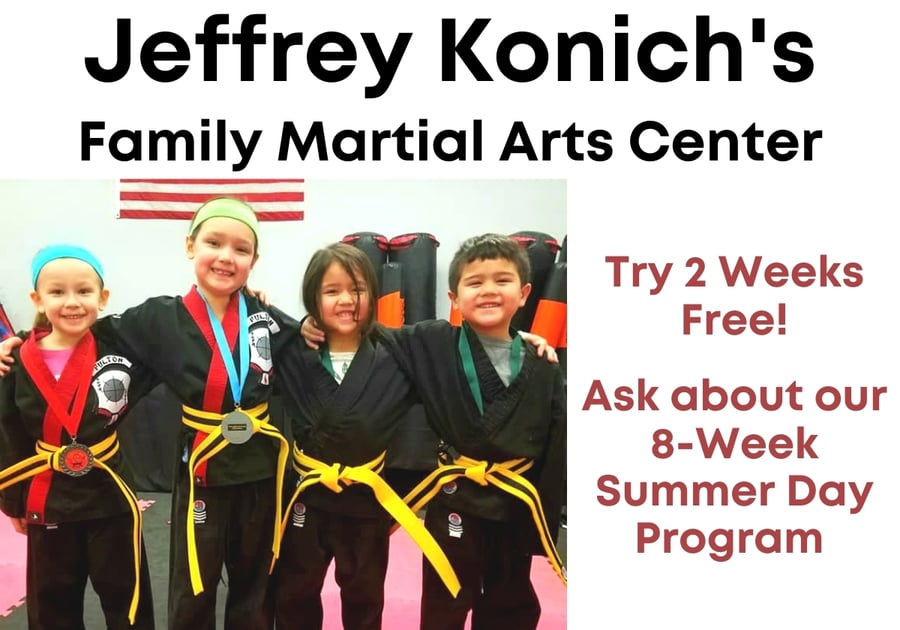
column 146, row 258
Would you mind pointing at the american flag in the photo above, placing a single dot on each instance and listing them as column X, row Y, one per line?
column 272, row 199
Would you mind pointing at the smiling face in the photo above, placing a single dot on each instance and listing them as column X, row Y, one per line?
column 223, row 251
column 69, row 293
column 488, row 294
column 344, row 304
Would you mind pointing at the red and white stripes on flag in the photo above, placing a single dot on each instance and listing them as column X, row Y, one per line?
column 272, row 199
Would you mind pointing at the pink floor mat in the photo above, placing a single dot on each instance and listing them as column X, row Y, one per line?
column 404, row 583
column 402, row 589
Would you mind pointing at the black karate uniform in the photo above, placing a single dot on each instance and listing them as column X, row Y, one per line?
column 234, row 493
column 79, row 528
column 350, row 423
column 488, row 534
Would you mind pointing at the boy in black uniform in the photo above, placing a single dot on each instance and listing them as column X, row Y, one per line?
column 500, row 413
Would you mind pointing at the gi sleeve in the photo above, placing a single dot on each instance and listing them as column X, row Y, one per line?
column 416, row 347
column 288, row 330
column 551, row 482
column 15, row 443
column 139, row 334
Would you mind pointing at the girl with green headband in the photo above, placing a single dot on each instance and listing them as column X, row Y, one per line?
column 60, row 466
column 215, row 347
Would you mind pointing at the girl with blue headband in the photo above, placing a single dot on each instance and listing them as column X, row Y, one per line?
column 60, row 466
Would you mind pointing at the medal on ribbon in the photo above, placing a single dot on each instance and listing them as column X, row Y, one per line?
column 237, row 427
column 76, row 460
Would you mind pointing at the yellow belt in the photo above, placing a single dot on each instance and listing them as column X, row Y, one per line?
column 336, row 476
column 211, row 423
column 50, row 457
column 506, row 476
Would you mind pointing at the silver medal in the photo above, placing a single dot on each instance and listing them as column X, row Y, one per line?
column 237, row 427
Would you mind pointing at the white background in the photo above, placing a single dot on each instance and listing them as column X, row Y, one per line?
column 840, row 204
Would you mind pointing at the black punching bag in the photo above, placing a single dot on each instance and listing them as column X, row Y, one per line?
column 374, row 245
column 412, row 453
column 541, row 249
column 417, row 255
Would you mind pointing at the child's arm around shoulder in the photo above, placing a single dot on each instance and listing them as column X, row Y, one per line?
column 6, row 350
column 140, row 331
column 283, row 328
column 541, row 347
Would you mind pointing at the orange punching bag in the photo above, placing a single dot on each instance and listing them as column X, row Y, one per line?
column 550, row 314
column 390, row 297
column 375, row 247
column 455, row 316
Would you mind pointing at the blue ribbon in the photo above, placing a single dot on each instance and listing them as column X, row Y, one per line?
column 237, row 384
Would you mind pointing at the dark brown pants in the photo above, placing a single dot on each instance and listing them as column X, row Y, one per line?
column 359, row 548
column 496, row 581
column 62, row 559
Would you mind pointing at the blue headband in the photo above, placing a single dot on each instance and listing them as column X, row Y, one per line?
column 53, row 252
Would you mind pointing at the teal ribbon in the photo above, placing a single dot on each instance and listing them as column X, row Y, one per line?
column 465, row 353
column 235, row 380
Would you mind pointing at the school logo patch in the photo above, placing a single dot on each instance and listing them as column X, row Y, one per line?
column 261, row 353
column 199, row 511
column 454, row 525
column 299, row 515
column 111, row 383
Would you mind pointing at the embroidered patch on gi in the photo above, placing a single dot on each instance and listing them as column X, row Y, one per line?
column 112, row 393
column 449, row 488
column 260, row 350
column 299, row 516
column 454, row 527
column 199, row 511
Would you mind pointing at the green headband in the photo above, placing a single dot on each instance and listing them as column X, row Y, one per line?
column 229, row 208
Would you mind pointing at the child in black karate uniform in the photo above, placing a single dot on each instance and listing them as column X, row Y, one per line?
column 216, row 348
column 61, row 472
column 500, row 413
column 345, row 403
